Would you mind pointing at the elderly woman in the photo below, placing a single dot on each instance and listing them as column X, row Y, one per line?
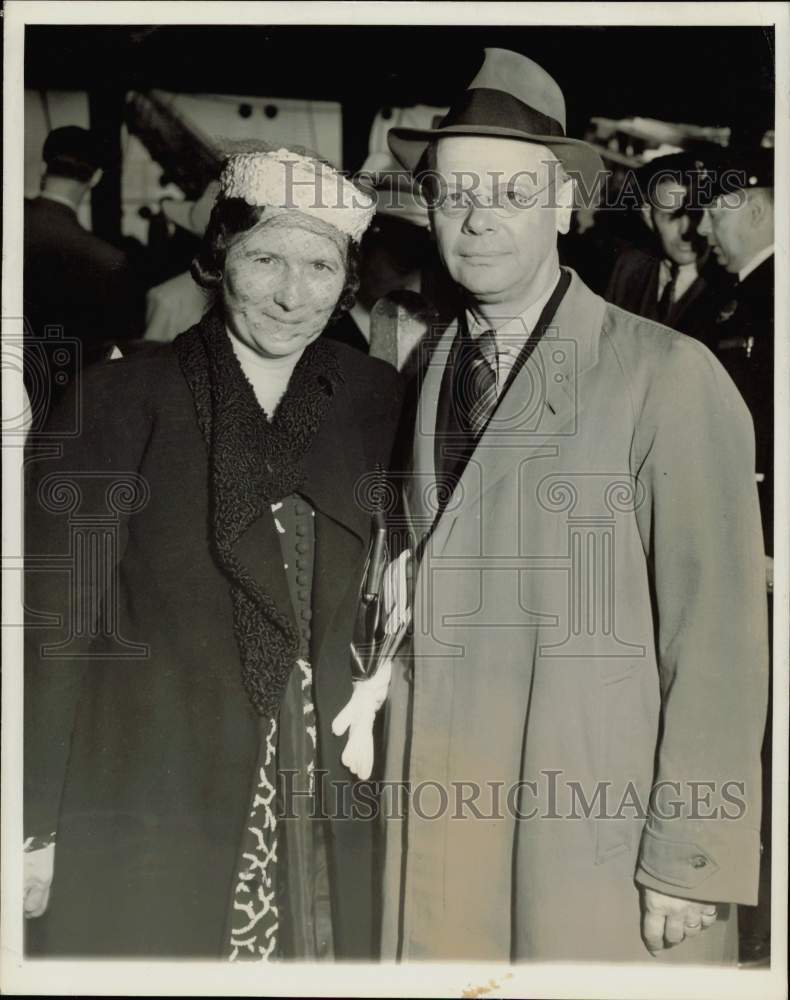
column 194, row 562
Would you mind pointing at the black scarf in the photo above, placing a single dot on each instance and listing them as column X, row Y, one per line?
column 253, row 463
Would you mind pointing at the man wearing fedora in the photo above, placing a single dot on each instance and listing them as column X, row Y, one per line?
column 579, row 713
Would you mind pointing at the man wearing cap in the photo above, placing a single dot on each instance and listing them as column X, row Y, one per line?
column 586, row 683
column 671, row 280
column 739, row 225
column 76, row 285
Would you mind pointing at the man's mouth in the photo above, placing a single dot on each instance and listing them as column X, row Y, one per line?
column 484, row 256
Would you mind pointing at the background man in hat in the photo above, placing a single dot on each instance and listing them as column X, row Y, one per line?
column 177, row 304
column 587, row 679
column 672, row 279
column 74, row 282
column 739, row 225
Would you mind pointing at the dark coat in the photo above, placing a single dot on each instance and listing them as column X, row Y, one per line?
column 634, row 287
column 77, row 283
column 140, row 741
column 742, row 337
column 346, row 331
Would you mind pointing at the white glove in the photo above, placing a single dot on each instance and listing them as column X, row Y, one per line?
column 358, row 717
column 38, row 870
column 370, row 694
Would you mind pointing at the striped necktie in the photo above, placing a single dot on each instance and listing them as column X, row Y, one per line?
column 478, row 388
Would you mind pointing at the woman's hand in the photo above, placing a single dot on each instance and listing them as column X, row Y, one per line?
column 370, row 694
column 39, row 867
column 358, row 717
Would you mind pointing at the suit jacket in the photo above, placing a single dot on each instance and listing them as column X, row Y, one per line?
column 589, row 619
column 633, row 286
column 78, row 286
column 140, row 741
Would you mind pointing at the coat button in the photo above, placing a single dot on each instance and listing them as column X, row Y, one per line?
column 302, row 579
column 302, row 547
column 699, row 861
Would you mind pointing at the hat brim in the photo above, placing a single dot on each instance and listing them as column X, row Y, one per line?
column 181, row 213
column 581, row 160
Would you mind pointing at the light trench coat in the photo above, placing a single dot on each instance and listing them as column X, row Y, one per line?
column 589, row 620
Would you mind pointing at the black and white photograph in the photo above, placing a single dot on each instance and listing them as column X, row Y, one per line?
column 395, row 499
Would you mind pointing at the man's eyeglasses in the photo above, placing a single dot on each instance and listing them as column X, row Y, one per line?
column 504, row 202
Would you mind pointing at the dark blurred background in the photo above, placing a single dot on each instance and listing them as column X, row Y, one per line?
column 705, row 75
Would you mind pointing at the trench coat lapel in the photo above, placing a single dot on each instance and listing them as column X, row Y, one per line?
column 421, row 481
column 543, row 403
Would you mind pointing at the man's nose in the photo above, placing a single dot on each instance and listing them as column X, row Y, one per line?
column 287, row 295
column 704, row 225
column 479, row 219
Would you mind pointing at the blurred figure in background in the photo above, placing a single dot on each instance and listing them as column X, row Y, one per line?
column 739, row 226
column 392, row 256
column 178, row 303
column 74, row 282
column 671, row 281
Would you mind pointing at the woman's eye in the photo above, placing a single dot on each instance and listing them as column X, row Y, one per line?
column 321, row 265
column 517, row 198
column 263, row 260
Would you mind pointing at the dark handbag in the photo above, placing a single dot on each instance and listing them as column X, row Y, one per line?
column 369, row 637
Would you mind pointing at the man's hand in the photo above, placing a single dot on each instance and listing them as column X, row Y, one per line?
column 39, row 867
column 668, row 920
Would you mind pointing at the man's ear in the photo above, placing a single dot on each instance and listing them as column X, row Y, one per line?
column 647, row 217
column 565, row 198
column 759, row 207
column 97, row 176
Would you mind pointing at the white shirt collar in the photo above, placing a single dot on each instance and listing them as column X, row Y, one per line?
column 59, row 198
column 361, row 317
column 755, row 262
column 514, row 332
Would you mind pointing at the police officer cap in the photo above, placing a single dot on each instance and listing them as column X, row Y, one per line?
column 738, row 168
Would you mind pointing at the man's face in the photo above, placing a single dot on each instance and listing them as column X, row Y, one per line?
column 725, row 225
column 497, row 221
column 675, row 229
column 280, row 287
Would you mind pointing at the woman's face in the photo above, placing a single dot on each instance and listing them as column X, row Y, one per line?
column 280, row 286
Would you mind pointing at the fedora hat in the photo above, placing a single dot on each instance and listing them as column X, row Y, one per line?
column 510, row 98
